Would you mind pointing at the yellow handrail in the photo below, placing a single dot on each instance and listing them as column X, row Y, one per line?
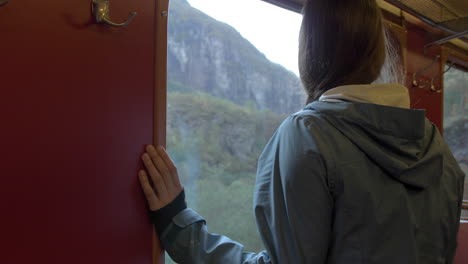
column 465, row 205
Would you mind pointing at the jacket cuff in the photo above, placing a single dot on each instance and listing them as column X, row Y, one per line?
column 162, row 218
column 185, row 219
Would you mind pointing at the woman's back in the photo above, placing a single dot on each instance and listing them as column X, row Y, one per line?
column 372, row 184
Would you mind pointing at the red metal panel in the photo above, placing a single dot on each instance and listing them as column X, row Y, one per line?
column 423, row 98
column 462, row 249
column 76, row 108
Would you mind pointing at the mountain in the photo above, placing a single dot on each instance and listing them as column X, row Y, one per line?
column 212, row 57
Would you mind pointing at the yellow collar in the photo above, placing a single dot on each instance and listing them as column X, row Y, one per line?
column 389, row 94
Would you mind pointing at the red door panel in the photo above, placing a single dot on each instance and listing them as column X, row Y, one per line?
column 423, row 98
column 76, row 108
column 462, row 249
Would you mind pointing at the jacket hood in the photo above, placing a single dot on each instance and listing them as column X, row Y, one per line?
column 401, row 141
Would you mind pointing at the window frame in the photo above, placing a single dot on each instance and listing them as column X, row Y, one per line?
column 449, row 54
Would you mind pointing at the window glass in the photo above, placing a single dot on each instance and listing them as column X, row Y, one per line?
column 456, row 118
column 225, row 100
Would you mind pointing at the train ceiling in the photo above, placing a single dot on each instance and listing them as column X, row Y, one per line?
column 448, row 15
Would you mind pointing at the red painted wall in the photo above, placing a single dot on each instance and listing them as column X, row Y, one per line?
column 423, row 98
column 76, row 108
column 462, row 250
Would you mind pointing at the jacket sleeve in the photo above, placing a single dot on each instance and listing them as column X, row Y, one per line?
column 187, row 240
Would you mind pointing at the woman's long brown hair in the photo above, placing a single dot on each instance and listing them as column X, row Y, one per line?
column 341, row 42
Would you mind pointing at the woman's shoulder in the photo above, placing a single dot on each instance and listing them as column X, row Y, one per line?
column 306, row 122
column 306, row 131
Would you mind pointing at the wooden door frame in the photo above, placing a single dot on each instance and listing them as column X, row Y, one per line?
column 160, row 71
column 160, row 94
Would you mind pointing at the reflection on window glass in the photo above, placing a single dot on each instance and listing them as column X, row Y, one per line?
column 225, row 100
column 456, row 117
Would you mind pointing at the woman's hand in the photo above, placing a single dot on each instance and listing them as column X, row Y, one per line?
column 164, row 176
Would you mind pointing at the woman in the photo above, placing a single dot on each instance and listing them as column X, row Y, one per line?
column 355, row 177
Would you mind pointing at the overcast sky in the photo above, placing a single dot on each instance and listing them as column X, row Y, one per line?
column 273, row 30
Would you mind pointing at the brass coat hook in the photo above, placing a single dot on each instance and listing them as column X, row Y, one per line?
column 415, row 81
column 438, row 77
column 2, row 3
column 100, row 10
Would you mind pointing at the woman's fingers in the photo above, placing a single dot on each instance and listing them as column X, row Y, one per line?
column 153, row 200
column 170, row 166
column 163, row 173
column 156, row 177
column 161, row 166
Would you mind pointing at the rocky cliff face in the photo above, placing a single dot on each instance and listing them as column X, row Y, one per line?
column 210, row 56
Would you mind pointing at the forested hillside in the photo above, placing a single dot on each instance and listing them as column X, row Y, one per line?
column 215, row 144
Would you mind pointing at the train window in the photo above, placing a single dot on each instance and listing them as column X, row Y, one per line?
column 456, row 117
column 226, row 97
